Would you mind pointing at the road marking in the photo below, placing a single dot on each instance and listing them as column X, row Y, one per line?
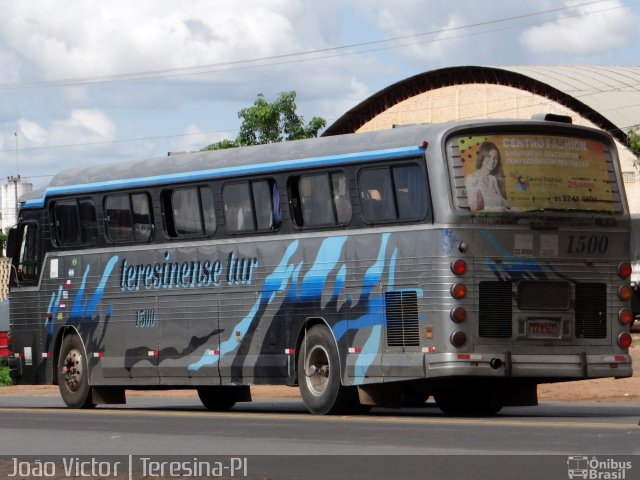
column 492, row 422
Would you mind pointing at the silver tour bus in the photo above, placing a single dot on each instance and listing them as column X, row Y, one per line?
column 468, row 261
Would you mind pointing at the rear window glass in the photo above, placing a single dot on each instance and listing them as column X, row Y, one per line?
column 526, row 172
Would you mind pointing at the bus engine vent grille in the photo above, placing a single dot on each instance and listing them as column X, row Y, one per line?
column 495, row 309
column 591, row 310
column 402, row 318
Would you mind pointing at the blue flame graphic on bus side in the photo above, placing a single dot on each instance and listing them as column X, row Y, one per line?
column 84, row 309
column 81, row 309
column 312, row 286
column 274, row 283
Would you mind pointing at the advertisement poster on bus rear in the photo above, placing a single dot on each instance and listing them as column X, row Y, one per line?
column 535, row 172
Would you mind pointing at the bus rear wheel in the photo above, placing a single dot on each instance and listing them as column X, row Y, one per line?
column 73, row 373
column 468, row 402
column 319, row 375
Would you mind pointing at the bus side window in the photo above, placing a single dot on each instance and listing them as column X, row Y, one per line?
column 75, row 222
column 142, row 224
column 88, row 221
column 251, row 206
column 376, row 195
column 118, row 218
column 410, row 184
column 238, row 210
column 189, row 211
column 66, row 222
column 319, row 199
column 128, row 217
column 393, row 193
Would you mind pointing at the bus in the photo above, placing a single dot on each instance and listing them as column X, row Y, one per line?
column 467, row 261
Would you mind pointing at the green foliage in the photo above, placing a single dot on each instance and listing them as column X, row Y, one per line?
column 221, row 145
column 3, row 242
column 265, row 122
column 5, row 379
column 634, row 145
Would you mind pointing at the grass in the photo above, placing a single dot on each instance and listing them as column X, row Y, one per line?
column 5, row 379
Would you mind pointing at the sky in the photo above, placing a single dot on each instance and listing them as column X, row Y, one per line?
column 91, row 82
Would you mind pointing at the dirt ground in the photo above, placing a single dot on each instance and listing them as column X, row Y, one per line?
column 626, row 390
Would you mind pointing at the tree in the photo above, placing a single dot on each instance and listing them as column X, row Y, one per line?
column 265, row 122
column 3, row 242
column 634, row 145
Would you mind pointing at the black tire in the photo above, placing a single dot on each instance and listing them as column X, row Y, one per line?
column 468, row 402
column 319, row 375
column 216, row 399
column 73, row 373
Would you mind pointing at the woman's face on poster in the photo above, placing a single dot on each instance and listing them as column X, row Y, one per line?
column 490, row 160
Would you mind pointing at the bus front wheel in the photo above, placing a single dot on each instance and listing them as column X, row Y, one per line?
column 217, row 398
column 319, row 375
column 73, row 373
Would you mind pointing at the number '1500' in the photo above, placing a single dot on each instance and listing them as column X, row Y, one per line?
column 588, row 244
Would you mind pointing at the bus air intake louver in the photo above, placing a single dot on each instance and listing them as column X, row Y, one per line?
column 495, row 309
column 402, row 318
column 591, row 310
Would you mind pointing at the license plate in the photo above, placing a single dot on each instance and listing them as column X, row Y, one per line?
column 543, row 329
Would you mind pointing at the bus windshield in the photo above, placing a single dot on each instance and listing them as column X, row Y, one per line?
column 508, row 172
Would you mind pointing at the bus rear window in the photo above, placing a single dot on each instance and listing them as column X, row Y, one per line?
column 527, row 172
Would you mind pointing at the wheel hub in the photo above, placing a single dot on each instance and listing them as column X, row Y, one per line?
column 72, row 370
column 317, row 370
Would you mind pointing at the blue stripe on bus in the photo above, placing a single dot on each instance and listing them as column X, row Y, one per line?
column 224, row 172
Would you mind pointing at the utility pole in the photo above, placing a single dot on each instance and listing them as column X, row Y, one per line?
column 17, row 156
column 16, row 179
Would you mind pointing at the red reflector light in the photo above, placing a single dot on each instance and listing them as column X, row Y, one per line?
column 619, row 358
column 459, row 267
column 625, row 293
column 624, row 340
column 458, row 339
column 624, row 270
column 625, row 316
column 459, row 314
column 458, row 291
column 464, row 356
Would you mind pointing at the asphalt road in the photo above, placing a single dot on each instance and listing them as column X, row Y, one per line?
column 281, row 440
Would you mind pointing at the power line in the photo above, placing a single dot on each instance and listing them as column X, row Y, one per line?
column 269, row 60
column 239, row 62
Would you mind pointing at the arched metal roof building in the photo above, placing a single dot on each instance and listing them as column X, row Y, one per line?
column 603, row 97
column 608, row 97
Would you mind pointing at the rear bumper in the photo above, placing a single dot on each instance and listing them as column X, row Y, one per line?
column 575, row 366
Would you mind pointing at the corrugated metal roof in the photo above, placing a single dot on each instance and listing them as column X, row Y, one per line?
column 614, row 92
column 609, row 97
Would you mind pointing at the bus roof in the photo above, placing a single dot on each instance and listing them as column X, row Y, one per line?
column 404, row 141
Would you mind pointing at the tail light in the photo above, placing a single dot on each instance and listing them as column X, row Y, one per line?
column 625, row 316
column 624, row 340
column 459, row 314
column 459, row 267
column 625, row 292
column 624, row 270
column 460, row 291
column 458, row 339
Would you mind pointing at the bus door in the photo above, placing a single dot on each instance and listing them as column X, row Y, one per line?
column 189, row 336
